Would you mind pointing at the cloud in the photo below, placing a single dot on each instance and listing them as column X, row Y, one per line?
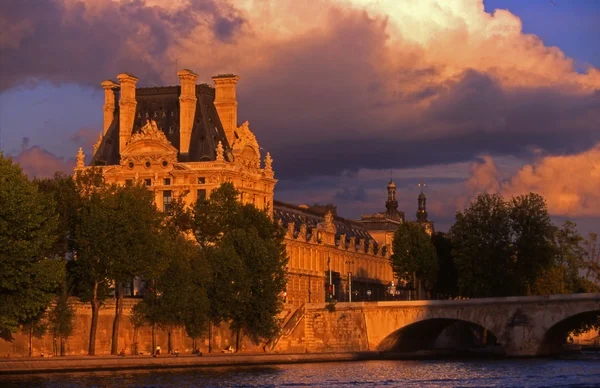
column 85, row 137
column 329, row 87
column 351, row 194
column 570, row 183
column 484, row 176
column 88, row 41
column 37, row 162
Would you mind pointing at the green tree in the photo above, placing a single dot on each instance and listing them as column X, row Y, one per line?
column 414, row 253
column 137, row 244
column 592, row 258
column 177, row 297
column 513, row 248
column 116, row 238
column 62, row 189
column 482, row 248
column 28, row 280
column 247, row 260
column 60, row 317
column 446, row 284
column 533, row 240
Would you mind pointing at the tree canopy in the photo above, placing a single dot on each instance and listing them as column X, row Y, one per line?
column 503, row 248
column 29, row 276
column 247, row 258
column 414, row 253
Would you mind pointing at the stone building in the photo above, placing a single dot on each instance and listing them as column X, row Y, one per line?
column 383, row 225
column 185, row 139
column 422, row 213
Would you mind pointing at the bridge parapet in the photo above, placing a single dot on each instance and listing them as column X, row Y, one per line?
column 521, row 324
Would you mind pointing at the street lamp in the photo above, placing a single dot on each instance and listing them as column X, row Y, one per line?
column 349, row 262
column 369, row 294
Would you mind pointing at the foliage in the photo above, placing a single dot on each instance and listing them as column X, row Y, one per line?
column 482, row 251
column 62, row 189
column 177, row 297
column 28, row 224
column 116, row 237
column 447, row 277
column 414, row 253
column 532, row 240
column 512, row 248
column 247, row 260
column 60, row 317
column 592, row 258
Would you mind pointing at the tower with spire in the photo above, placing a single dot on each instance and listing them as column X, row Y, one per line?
column 422, row 211
column 391, row 204
column 382, row 225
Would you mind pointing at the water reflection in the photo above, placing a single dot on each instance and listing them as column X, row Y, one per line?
column 580, row 372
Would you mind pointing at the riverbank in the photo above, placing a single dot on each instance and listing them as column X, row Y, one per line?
column 106, row 363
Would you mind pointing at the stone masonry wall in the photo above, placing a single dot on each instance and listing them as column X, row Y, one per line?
column 78, row 343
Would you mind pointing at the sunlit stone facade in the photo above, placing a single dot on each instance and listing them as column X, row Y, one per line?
column 184, row 140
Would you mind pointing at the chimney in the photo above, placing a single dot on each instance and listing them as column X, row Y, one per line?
column 226, row 103
column 109, row 103
column 187, row 108
column 127, row 106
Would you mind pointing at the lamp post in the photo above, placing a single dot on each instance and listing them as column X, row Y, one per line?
column 348, row 263
column 330, row 288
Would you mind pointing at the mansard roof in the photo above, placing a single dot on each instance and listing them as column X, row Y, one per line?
column 161, row 104
column 290, row 213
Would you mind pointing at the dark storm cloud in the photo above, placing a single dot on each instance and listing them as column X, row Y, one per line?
column 57, row 41
column 472, row 116
column 325, row 102
column 351, row 194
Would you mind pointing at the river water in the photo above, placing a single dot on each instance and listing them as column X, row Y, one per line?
column 579, row 371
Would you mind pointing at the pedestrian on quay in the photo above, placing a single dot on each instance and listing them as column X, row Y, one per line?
column 157, row 352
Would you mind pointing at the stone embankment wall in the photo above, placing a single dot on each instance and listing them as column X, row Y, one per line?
column 322, row 330
column 77, row 344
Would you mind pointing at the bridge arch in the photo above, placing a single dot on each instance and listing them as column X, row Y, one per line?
column 426, row 334
column 556, row 336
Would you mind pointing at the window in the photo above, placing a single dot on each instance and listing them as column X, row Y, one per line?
column 201, row 194
column 167, row 181
column 147, row 182
column 128, row 182
column 167, row 198
column 201, row 180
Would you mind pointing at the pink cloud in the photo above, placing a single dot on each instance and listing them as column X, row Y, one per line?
column 37, row 162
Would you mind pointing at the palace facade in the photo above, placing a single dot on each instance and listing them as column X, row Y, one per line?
column 186, row 139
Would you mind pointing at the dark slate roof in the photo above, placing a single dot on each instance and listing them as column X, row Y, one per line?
column 290, row 213
column 161, row 104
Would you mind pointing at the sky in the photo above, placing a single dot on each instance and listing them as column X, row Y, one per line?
column 467, row 96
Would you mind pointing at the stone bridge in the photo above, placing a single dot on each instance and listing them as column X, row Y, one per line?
column 523, row 326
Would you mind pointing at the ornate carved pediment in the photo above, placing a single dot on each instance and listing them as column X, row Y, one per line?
column 245, row 149
column 149, row 145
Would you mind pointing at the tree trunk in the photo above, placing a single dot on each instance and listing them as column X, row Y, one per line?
column 153, row 338
column 135, row 350
column 210, row 337
column 62, row 346
column 114, row 347
column 30, row 341
column 95, row 307
column 169, row 349
column 238, row 334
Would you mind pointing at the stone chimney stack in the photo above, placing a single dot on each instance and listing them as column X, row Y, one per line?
column 110, row 99
column 127, row 106
column 226, row 103
column 187, row 104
